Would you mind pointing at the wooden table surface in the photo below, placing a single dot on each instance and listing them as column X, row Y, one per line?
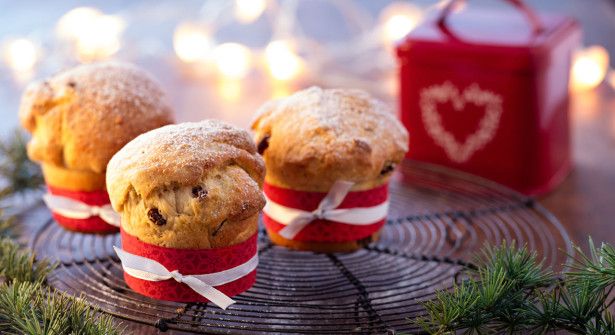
column 584, row 203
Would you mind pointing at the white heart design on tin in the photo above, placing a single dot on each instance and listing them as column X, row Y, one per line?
column 487, row 126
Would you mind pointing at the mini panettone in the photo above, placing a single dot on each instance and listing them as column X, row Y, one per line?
column 189, row 196
column 329, row 155
column 79, row 119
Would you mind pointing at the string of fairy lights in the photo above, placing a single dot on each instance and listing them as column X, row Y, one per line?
column 288, row 57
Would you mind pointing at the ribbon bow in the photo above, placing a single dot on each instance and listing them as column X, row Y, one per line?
column 150, row 270
column 74, row 209
column 296, row 219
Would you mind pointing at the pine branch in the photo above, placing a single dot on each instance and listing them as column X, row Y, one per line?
column 17, row 172
column 511, row 292
column 27, row 306
column 597, row 269
column 20, row 265
column 448, row 309
column 33, row 309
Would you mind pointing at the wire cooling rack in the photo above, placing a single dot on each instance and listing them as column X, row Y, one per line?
column 438, row 219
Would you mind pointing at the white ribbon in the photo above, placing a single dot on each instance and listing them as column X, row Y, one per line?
column 150, row 270
column 295, row 219
column 74, row 209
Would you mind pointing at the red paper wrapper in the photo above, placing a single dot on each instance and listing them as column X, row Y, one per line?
column 189, row 262
column 325, row 230
column 92, row 224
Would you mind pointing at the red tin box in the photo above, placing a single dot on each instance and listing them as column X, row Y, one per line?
column 487, row 92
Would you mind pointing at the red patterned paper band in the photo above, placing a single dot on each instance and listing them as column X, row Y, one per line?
column 322, row 230
column 92, row 224
column 189, row 262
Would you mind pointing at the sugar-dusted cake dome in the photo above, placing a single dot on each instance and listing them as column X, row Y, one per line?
column 317, row 136
column 81, row 117
column 192, row 185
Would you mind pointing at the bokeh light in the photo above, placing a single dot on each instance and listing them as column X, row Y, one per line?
column 94, row 35
column 21, row 54
column 283, row 63
column 247, row 11
column 69, row 25
column 192, row 42
column 589, row 68
column 398, row 19
column 233, row 60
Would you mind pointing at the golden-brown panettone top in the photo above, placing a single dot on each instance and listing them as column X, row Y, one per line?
column 317, row 136
column 180, row 155
column 79, row 118
column 191, row 185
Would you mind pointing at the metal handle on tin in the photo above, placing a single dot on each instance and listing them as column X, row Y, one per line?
column 533, row 19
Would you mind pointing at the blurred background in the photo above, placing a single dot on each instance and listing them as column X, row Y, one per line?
column 223, row 59
column 213, row 56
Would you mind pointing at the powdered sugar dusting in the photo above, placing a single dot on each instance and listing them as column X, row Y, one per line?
column 82, row 116
column 318, row 136
column 346, row 114
column 112, row 84
column 180, row 154
column 189, row 139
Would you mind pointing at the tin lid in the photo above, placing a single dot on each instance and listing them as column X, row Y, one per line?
column 498, row 39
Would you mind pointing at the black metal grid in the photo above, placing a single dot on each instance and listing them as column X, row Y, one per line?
column 438, row 219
